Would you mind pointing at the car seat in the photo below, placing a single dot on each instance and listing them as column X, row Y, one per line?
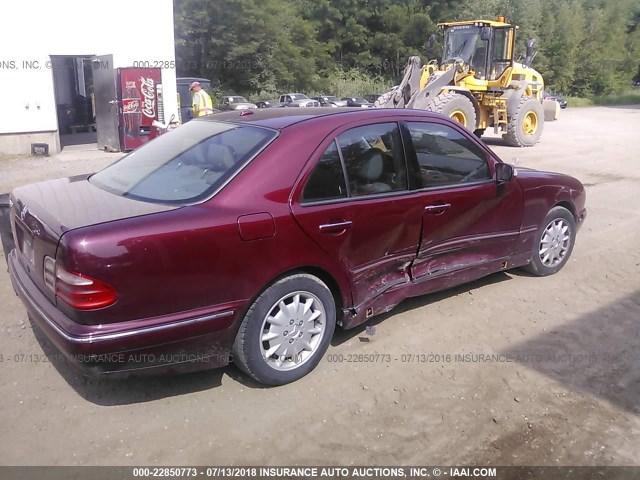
column 369, row 172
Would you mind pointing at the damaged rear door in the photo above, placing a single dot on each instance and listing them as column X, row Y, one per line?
column 354, row 202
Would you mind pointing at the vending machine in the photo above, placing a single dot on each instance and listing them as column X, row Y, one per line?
column 138, row 97
column 127, row 102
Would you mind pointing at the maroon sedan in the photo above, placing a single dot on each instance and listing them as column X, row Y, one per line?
column 250, row 236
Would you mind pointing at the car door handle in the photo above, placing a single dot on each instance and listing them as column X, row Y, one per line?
column 437, row 209
column 335, row 227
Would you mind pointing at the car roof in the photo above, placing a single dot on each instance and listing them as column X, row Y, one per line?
column 280, row 118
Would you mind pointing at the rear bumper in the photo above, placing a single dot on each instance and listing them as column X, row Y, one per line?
column 189, row 342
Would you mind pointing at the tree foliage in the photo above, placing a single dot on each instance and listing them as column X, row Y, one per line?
column 586, row 47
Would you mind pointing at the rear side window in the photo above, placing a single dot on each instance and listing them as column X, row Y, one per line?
column 327, row 180
column 446, row 156
column 374, row 159
column 185, row 165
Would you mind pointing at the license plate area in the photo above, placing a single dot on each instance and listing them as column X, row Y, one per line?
column 25, row 245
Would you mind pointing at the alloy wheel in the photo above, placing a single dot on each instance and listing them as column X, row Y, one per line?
column 292, row 330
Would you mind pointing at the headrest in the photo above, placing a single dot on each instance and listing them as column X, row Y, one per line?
column 372, row 166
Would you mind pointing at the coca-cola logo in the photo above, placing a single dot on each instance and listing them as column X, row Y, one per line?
column 131, row 106
column 147, row 87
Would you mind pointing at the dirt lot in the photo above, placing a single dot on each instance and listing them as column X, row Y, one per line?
column 571, row 395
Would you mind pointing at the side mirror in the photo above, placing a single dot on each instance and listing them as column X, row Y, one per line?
column 504, row 172
column 485, row 33
column 530, row 52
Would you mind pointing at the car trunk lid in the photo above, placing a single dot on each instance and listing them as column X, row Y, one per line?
column 42, row 212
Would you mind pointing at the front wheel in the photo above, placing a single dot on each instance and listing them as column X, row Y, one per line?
column 286, row 331
column 554, row 243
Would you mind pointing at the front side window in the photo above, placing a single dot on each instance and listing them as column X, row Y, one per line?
column 185, row 165
column 374, row 159
column 446, row 156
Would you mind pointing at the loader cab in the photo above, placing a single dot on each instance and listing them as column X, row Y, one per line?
column 484, row 47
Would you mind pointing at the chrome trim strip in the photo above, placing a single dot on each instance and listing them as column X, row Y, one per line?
column 110, row 336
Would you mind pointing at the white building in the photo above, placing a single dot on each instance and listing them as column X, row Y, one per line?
column 46, row 50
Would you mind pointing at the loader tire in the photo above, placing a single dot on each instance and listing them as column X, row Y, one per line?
column 382, row 100
column 455, row 106
column 525, row 124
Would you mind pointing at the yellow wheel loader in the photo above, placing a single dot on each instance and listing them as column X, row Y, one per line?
column 477, row 82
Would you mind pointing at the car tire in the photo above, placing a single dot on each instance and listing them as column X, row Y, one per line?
column 525, row 123
column 554, row 243
column 305, row 311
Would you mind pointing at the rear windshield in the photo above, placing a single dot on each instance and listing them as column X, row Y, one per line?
column 185, row 165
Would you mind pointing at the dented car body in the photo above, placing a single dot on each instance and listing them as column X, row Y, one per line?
column 170, row 252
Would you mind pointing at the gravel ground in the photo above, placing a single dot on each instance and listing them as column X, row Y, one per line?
column 570, row 397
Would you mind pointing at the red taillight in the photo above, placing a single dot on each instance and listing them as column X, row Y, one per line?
column 83, row 292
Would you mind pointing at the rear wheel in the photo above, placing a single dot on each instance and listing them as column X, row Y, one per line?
column 554, row 243
column 286, row 331
column 525, row 123
column 455, row 106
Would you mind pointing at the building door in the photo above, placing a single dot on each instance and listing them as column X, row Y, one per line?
column 107, row 105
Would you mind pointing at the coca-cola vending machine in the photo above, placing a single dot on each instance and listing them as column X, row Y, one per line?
column 137, row 91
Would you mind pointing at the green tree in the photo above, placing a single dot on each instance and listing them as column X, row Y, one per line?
column 586, row 47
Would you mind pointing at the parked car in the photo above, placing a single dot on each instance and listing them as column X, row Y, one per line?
column 298, row 100
column 357, row 102
column 372, row 97
column 268, row 104
column 330, row 101
column 236, row 103
column 549, row 95
column 184, row 94
column 258, row 232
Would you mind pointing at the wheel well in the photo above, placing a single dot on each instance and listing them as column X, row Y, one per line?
column 323, row 275
column 331, row 283
column 568, row 205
